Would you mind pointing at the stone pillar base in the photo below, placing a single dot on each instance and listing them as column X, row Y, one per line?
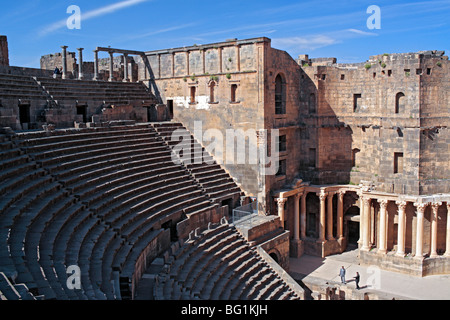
column 296, row 249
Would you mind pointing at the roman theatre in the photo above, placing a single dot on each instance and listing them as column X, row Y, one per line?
column 202, row 170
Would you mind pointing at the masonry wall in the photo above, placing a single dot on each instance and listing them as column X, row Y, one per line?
column 434, row 169
column 361, row 124
column 50, row 61
column 280, row 64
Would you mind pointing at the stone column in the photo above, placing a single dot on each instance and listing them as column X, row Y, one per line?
column 434, row 228
column 111, row 66
column 361, row 219
column 447, row 242
column 125, row 67
column 322, row 197
column 330, row 216
column 296, row 217
column 95, row 65
column 280, row 203
column 303, row 216
column 419, row 233
column 401, row 228
column 80, row 63
column 64, row 62
column 366, row 224
column 340, row 215
column 382, row 235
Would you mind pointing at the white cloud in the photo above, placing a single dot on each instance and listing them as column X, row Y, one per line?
column 91, row 14
column 312, row 42
column 363, row 33
column 304, row 43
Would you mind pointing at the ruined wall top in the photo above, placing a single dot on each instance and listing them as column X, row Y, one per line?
column 304, row 59
column 227, row 43
column 4, row 55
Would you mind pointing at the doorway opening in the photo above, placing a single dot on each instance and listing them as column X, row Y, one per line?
column 82, row 110
column 170, row 108
column 24, row 114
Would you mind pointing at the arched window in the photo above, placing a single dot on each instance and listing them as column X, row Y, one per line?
column 280, row 95
column 233, row 92
column 212, row 86
column 193, row 94
column 400, row 102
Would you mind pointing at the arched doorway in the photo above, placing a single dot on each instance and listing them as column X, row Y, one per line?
column 351, row 226
column 274, row 256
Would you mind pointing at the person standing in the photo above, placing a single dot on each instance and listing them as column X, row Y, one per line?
column 357, row 280
column 342, row 275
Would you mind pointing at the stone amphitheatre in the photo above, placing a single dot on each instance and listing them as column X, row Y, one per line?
column 114, row 172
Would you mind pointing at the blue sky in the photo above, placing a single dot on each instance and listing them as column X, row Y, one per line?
column 318, row 28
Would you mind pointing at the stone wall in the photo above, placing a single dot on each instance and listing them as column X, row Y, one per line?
column 50, row 61
column 4, row 53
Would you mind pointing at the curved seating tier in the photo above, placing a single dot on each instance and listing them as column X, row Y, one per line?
column 220, row 265
column 20, row 87
column 212, row 178
column 105, row 92
column 94, row 198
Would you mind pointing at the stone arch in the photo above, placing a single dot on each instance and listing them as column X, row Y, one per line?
column 212, row 87
column 400, row 102
column 275, row 255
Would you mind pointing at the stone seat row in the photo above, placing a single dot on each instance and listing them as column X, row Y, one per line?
column 220, row 266
column 215, row 181
column 16, row 79
column 41, row 137
column 77, row 146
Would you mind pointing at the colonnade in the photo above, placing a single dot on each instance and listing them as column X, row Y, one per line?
column 325, row 218
column 111, row 52
column 367, row 221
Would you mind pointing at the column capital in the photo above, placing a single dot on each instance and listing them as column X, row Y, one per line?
column 298, row 196
column 366, row 200
column 80, row 49
column 341, row 194
column 420, row 207
column 401, row 204
column 322, row 195
column 383, row 203
column 281, row 202
column 64, row 47
column 436, row 205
